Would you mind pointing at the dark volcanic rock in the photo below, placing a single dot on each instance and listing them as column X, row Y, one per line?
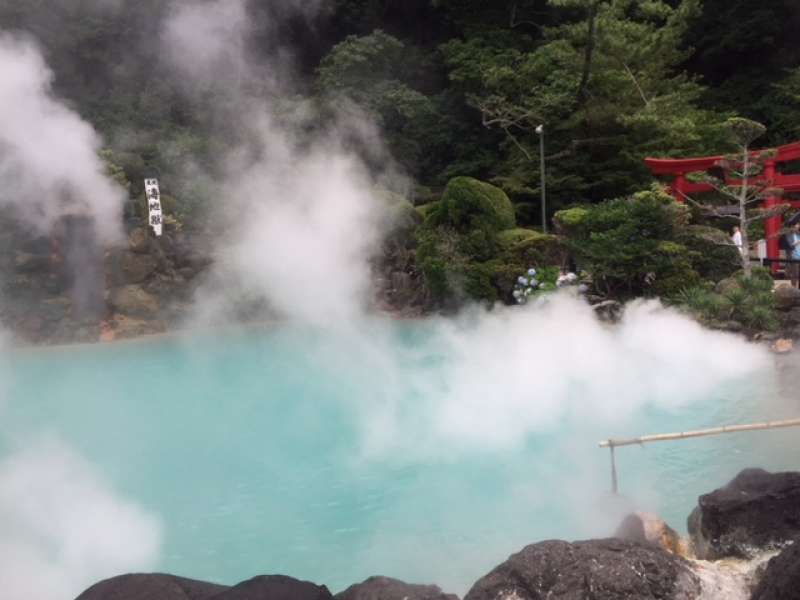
column 157, row 586
column 386, row 588
column 275, row 587
column 786, row 297
column 757, row 510
column 598, row 569
column 781, row 579
column 151, row 586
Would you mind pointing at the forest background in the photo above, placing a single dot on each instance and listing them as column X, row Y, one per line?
column 457, row 88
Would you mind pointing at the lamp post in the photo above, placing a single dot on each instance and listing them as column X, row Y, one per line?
column 540, row 133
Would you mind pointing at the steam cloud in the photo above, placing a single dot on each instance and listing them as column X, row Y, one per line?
column 501, row 376
column 301, row 219
column 63, row 528
column 49, row 166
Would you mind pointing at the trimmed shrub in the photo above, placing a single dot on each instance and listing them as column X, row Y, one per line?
column 469, row 204
column 745, row 300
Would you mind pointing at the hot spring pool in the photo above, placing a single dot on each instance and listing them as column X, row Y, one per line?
column 330, row 458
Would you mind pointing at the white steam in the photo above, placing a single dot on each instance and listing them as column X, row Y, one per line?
column 301, row 220
column 63, row 528
column 205, row 41
column 49, row 166
column 487, row 380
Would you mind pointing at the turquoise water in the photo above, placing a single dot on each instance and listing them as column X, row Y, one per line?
column 254, row 452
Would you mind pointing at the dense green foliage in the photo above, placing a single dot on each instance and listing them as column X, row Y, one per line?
column 470, row 249
column 457, row 86
column 457, row 89
column 641, row 245
column 748, row 301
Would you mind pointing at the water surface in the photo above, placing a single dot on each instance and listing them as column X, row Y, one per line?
column 258, row 453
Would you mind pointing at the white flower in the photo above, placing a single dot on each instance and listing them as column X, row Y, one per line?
column 517, row 294
column 532, row 272
column 534, row 283
column 522, row 280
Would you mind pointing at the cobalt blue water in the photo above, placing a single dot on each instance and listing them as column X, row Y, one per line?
column 253, row 452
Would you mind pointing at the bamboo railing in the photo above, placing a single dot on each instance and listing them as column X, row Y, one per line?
column 664, row 437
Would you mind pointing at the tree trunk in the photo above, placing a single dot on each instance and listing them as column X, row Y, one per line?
column 588, row 53
column 745, row 251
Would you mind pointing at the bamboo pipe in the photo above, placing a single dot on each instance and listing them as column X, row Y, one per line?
column 663, row 437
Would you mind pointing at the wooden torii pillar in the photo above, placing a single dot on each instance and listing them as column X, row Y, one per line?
column 681, row 188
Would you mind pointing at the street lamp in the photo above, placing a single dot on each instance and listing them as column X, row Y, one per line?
column 540, row 133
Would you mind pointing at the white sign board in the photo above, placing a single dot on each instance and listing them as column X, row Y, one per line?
column 153, row 196
column 761, row 248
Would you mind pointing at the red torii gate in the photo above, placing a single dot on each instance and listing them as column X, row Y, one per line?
column 771, row 177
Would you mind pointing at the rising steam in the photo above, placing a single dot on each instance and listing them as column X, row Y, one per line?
column 302, row 219
column 49, row 166
column 63, row 528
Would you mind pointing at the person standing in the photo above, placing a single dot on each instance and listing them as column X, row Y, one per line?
column 793, row 240
column 736, row 238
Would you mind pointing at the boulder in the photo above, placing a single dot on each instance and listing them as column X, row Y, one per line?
column 782, row 346
column 133, row 300
column 386, row 588
column 158, row 586
column 651, row 529
column 136, row 268
column 151, row 586
column 786, row 297
column 598, row 569
column 275, row 587
column 756, row 511
column 781, row 579
column 793, row 316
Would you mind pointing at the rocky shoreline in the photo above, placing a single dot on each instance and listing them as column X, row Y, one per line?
column 741, row 546
column 52, row 293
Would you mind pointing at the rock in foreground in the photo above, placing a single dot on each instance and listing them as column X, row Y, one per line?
column 151, row 586
column 386, row 588
column 157, row 586
column 756, row 511
column 598, row 569
column 275, row 587
column 649, row 528
column 781, row 578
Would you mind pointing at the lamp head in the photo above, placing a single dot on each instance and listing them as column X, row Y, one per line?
column 540, row 129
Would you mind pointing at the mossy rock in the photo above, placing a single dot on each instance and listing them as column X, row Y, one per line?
column 469, row 204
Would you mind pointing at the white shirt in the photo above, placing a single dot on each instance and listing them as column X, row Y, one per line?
column 736, row 238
